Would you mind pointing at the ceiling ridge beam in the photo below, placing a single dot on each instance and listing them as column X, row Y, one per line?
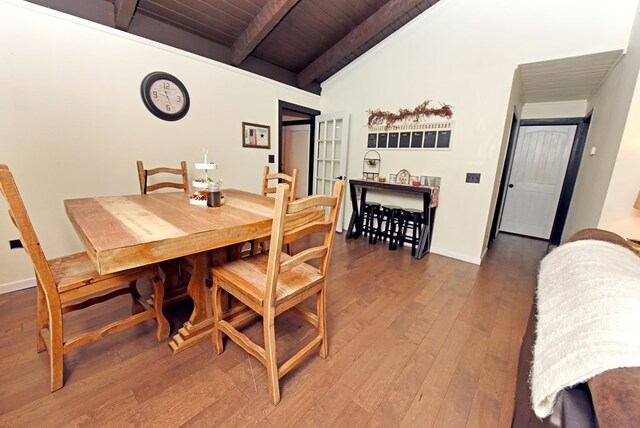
column 385, row 16
column 123, row 11
column 265, row 21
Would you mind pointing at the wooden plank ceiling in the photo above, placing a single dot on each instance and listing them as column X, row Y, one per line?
column 297, row 42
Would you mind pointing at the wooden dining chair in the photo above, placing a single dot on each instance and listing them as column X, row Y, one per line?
column 260, row 245
column 144, row 174
column 274, row 282
column 175, row 271
column 291, row 180
column 72, row 283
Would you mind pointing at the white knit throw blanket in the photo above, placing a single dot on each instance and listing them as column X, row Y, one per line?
column 588, row 317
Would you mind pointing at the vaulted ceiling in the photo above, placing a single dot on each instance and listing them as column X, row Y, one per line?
column 297, row 42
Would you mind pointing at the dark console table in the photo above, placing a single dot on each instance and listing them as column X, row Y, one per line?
column 428, row 196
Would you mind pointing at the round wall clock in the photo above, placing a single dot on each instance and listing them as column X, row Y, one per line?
column 165, row 96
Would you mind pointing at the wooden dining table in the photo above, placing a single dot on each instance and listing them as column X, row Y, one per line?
column 123, row 232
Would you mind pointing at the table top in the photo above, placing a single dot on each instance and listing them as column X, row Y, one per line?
column 393, row 186
column 122, row 232
column 433, row 191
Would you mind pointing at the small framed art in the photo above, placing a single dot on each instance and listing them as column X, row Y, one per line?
column 257, row 136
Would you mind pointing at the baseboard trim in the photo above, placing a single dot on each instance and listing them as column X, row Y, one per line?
column 17, row 285
column 458, row 256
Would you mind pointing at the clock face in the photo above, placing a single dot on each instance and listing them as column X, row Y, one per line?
column 165, row 96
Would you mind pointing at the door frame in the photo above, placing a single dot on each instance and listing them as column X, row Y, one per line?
column 570, row 177
column 497, row 213
column 284, row 105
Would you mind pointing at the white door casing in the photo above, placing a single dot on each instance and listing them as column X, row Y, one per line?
column 330, row 155
column 535, row 181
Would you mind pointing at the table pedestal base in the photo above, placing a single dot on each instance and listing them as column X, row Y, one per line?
column 190, row 335
column 200, row 324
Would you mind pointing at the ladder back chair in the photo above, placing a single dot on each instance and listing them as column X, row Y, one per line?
column 72, row 283
column 143, row 175
column 274, row 282
column 174, row 270
column 292, row 181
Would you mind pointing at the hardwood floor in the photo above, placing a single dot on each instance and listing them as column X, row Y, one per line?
column 431, row 342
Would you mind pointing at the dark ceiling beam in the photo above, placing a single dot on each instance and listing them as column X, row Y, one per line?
column 270, row 15
column 384, row 17
column 151, row 28
column 123, row 11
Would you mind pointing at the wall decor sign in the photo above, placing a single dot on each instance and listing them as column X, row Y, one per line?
column 403, row 177
column 413, row 136
column 404, row 115
column 255, row 135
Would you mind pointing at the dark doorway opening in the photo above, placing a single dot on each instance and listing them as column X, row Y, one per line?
column 297, row 115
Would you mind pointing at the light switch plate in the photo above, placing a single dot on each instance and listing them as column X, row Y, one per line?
column 473, row 177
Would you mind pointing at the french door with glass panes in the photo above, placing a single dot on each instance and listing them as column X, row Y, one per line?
column 331, row 140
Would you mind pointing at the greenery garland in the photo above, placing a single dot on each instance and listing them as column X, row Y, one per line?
column 378, row 117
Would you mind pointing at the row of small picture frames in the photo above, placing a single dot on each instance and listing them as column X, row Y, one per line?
column 416, row 136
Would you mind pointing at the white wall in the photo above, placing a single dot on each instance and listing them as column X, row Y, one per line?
column 515, row 109
column 596, row 201
column 618, row 214
column 72, row 122
column 464, row 52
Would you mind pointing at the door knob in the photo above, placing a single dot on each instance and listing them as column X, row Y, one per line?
column 510, row 186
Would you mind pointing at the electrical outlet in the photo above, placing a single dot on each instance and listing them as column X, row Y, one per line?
column 473, row 177
column 272, row 158
column 15, row 243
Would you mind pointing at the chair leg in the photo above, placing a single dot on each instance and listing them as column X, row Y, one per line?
column 394, row 224
column 373, row 233
column 414, row 241
column 321, row 307
column 376, row 231
column 42, row 316
column 56, row 348
column 162, row 328
column 403, row 231
column 273, row 382
column 216, row 292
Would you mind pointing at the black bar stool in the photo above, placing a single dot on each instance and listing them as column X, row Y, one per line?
column 371, row 211
column 412, row 219
column 389, row 224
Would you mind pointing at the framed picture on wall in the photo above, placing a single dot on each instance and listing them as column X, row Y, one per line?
column 255, row 135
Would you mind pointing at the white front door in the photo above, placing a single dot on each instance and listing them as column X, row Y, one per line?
column 296, row 155
column 537, row 173
column 330, row 155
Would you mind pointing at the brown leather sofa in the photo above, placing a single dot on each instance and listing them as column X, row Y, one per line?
column 611, row 399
